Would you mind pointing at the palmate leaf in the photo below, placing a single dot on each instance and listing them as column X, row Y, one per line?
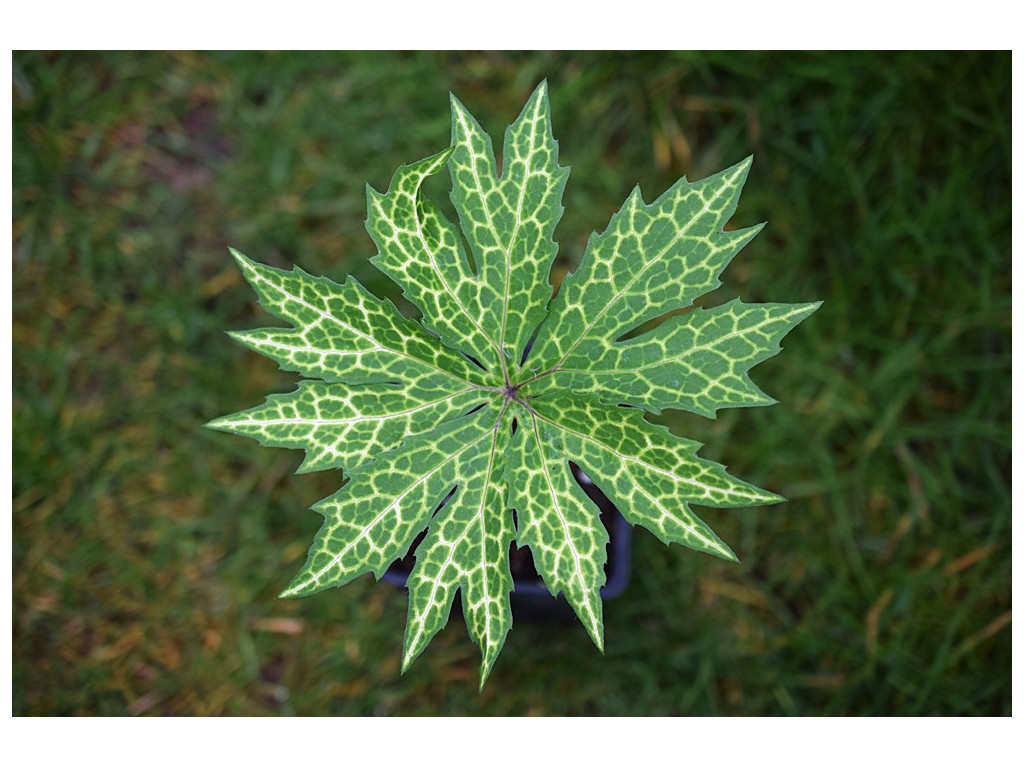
column 460, row 428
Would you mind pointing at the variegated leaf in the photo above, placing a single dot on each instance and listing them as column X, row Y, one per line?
column 697, row 362
column 345, row 333
column 467, row 548
column 439, row 428
column 420, row 250
column 509, row 221
column 651, row 475
column 373, row 519
column 557, row 521
column 341, row 426
column 651, row 259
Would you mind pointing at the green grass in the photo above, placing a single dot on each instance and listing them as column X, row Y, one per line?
column 148, row 551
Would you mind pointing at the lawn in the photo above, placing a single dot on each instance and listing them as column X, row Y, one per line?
column 148, row 552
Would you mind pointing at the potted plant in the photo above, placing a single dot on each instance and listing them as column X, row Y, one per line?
column 465, row 429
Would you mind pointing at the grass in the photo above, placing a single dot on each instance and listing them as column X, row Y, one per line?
column 148, row 552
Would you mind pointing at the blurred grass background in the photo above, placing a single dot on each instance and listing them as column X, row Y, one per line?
column 148, row 551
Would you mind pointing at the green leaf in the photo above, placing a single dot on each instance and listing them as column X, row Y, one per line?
column 345, row 427
column 420, row 250
column 467, row 548
column 371, row 521
column 651, row 259
column 650, row 474
column 345, row 333
column 509, row 221
column 557, row 521
column 696, row 362
column 441, row 428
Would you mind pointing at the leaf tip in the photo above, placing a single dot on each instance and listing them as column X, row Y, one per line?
column 443, row 155
column 217, row 424
column 406, row 662
column 429, row 165
column 487, row 659
column 243, row 261
column 767, row 497
column 292, row 590
column 412, row 648
column 485, row 672
column 463, row 123
column 737, row 174
column 458, row 108
column 303, row 584
column 723, row 551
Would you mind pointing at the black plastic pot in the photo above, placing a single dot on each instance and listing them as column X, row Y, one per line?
column 531, row 600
